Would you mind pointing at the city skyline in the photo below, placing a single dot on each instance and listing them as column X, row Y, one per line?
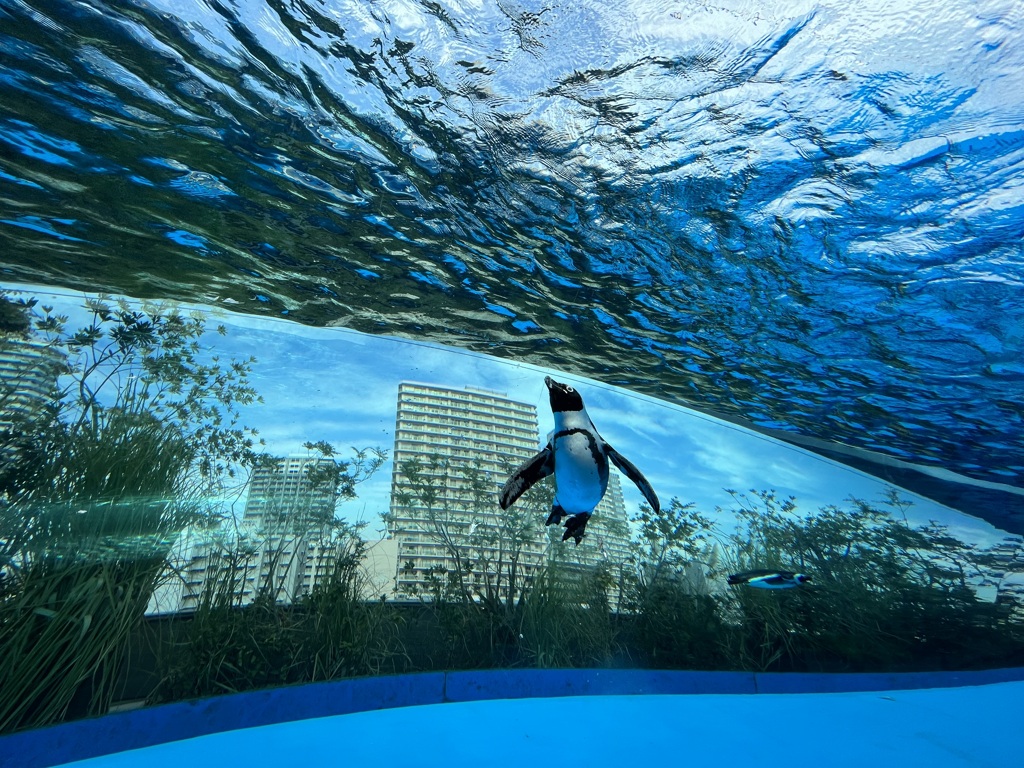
column 340, row 385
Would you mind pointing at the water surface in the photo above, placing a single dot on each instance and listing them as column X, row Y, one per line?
column 804, row 215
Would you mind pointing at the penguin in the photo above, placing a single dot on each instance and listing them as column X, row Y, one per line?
column 578, row 458
column 764, row 578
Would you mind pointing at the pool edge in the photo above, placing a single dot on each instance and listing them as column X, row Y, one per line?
column 107, row 734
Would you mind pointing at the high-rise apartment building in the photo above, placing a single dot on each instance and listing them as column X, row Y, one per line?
column 290, row 515
column 454, row 449
column 284, row 541
column 28, row 377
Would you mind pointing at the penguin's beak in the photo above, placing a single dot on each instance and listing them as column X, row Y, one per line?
column 549, row 382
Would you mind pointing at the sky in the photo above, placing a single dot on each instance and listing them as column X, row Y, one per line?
column 340, row 385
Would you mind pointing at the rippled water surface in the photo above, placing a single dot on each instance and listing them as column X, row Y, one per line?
column 805, row 215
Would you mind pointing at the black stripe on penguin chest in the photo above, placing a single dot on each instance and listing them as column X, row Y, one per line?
column 579, row 460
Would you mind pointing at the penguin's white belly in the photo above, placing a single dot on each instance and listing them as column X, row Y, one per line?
column 578, row 486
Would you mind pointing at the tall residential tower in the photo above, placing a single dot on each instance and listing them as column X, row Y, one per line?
column 284, row 542
column 454, row 449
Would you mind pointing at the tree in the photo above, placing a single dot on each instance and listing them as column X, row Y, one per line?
column 140, row 430
column 511, row 592
column 14, row 315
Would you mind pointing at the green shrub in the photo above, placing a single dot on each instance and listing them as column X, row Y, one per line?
column 97, row 481
column 566, row 618
column 885, row 595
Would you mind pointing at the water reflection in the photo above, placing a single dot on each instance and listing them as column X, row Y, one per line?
column 805, row 215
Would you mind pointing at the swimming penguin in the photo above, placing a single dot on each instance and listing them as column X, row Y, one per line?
column 764, row 578
column 578, row 457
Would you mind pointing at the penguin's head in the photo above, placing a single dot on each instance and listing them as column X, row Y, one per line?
column 562, row 396
column 801, row 578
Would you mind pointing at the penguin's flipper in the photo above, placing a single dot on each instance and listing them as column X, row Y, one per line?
column 557, row 513
column 626, row 467
column 576, row 527
column 532, row 470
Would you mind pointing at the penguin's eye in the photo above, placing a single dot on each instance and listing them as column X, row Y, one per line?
column 569, row 389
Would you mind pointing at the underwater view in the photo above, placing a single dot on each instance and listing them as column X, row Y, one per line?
column 341, row 340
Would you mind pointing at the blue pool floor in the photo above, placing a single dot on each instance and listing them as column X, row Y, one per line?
column 965, row 726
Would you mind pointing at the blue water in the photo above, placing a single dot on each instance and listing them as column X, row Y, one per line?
column 803, row 220
column 804, row 215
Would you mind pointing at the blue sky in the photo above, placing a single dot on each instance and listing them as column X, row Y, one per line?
column 341, row 386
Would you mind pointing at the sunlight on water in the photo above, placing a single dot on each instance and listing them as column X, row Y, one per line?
column 803, row 215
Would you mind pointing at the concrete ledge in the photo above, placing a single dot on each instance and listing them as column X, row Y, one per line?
column 183, row 720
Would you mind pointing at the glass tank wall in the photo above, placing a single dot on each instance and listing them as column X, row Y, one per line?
column 198, row 502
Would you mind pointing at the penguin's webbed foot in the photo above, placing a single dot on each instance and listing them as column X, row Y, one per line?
column 557, row 513
column 576, row 527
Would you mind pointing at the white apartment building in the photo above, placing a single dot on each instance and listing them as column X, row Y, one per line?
column 282, row 543
column 28, row 377
column 454, row 449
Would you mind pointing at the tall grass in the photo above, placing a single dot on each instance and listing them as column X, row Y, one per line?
column 98, row 477
column 227, row 645
column 89, row 517
column 343, row 635
column 566, row 618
